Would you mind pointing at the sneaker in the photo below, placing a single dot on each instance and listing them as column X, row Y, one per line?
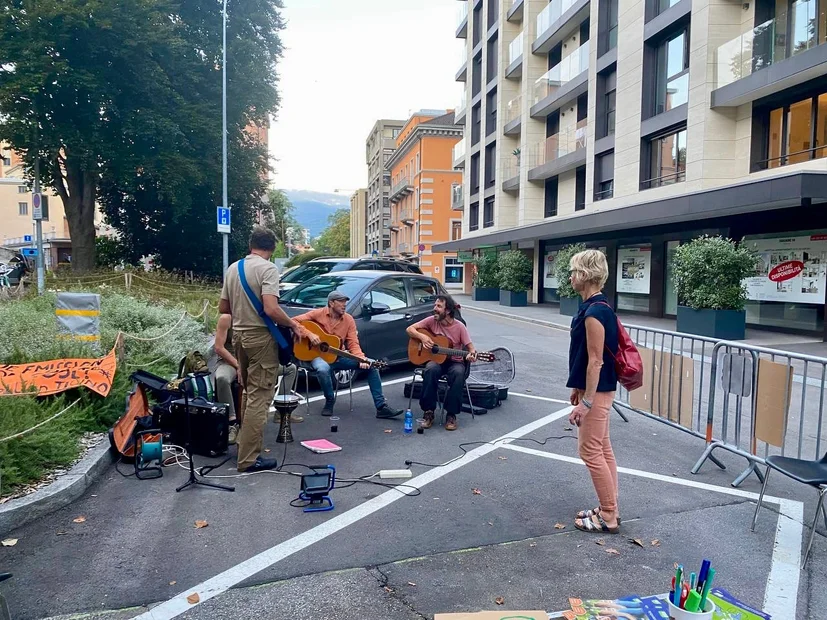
column 451, row 423
column 261, row 464
column 327, row 410
column 386, row 411
column 233, row 434
column 428, row 419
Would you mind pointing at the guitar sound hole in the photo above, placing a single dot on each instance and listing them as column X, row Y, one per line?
column 324, row 347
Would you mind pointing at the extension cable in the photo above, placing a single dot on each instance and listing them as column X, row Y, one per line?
column 395, row 473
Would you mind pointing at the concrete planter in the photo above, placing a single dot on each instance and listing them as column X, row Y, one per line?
column 485, row 294
column 569, row 305
column 720, row 324
column 515, row 300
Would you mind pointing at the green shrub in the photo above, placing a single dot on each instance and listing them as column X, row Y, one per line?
column 515, row 271
column 486, row 275
column 709, row 273
column 562, row 270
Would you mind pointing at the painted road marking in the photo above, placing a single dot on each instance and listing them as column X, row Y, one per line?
column 781, row 593
column 236, row 574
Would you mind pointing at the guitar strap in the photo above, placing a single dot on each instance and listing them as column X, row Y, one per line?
column 285, row 347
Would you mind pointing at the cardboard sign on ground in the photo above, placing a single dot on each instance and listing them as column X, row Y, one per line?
column 495, row 615
column 668, row 386
column 772, row 401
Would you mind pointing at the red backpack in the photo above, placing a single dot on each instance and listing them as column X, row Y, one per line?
column 628, row 363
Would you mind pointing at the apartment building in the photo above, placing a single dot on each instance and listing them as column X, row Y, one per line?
column 358, row 221
column 636, row 126
column 423, row 182
column 379, row 147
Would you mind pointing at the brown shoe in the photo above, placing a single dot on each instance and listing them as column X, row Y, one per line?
column 428, row 419
column 451, row 423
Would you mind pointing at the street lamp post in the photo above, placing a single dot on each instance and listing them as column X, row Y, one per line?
column 225, row 236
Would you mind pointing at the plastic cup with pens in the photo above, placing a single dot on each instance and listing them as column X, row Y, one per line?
column 688, row 599
column 677, row 613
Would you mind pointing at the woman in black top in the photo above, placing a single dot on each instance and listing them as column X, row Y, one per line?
column 593, row 380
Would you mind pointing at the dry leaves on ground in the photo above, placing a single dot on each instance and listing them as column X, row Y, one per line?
column 532, row 544
column 61, row 533
column 599, row 541
column 79, row 520
column 193, row 598
column 172, row 583
column 612, row 551
column 568, row 428
column 559, row 526
column 656, row 543
column 412, row 584
column 388, row 589
column 200, row 524
column 637, row 541
column 9, row 542
column 476, row 492
column 388, row 431
column 499, row 600
column 503, row 458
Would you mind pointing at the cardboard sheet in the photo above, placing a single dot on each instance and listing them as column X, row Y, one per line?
column 774, row 382
column 668, row 386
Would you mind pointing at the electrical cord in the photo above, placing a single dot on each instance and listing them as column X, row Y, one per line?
column 488, row 443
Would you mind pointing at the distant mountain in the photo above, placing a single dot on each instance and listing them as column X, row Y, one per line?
column 313, row 208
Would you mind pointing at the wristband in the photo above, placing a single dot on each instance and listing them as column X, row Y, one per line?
column 587, row 404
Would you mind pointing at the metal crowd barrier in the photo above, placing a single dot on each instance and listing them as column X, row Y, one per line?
column 750, row 401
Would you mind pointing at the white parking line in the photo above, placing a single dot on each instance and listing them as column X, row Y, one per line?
column 781, row 593
column 235, row 575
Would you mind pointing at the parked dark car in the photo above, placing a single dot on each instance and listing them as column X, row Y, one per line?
column 382, row 303
column 321, row 266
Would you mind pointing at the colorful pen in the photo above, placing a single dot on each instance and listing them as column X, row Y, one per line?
column 678, row 585
column 684, row 595
column 692, row 601
column 702, row 575
column 692, row 581
column 707, row 584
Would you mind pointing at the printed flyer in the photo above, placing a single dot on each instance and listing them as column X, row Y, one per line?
column 634, row 268
column 790, row 269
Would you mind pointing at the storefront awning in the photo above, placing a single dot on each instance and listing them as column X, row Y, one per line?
column 778, row 192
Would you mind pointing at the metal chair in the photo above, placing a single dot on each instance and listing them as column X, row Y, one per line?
column 299, row 370
column 812, row 473
column 308, row 370
column 442, row 390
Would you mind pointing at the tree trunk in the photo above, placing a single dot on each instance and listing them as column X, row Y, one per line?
column 78, row 190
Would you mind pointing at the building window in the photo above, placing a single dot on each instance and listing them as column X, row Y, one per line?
column 474, row 216
column 580, row 189
column 663, row 5
column 795, row 133
column 604, row 176
column 672, row 85
column 488, row 213
column 22, row 189
column 607, row 36
column 491, row 112
column 456, row 230
column 22, row 208
column 550, row 206
column 476, row 122
column 475, row 173
column 453, row 271
column 610, row 112
column 667, row 160
column 490, row 165
column 6, row 159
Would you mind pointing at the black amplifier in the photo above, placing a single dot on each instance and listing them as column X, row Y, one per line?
column 210, row 425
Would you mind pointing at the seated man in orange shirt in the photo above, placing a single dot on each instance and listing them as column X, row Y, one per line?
column 335, row 320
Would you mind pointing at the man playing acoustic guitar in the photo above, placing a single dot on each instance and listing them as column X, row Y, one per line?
column 443, row 323
column 335, row 320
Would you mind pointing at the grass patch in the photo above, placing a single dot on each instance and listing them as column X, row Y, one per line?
column 28, row 333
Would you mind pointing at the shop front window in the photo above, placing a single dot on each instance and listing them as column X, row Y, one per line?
column 634, row 271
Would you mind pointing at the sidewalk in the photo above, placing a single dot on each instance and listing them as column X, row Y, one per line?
column 549, row 316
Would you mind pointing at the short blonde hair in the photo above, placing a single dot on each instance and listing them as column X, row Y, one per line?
column 593, row 264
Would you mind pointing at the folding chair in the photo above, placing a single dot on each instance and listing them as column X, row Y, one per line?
column 812, row 473
column 308, row 371
column 442, row 390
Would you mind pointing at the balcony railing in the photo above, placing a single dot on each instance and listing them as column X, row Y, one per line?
column 462, row 12
column 401, row 188
column 463, row 55
column 551, row 14
column 513, row 110
column 562, row 73
column 403, row 248
column 459, row 151
column 457, row 198
column 511, row 167
column 787, row 34
column 560, row 144
column 406, row 216
column 669, row 178
column 463, row 102
column 515, row 49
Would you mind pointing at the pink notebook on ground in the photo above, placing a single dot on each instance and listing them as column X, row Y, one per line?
column 321, row 446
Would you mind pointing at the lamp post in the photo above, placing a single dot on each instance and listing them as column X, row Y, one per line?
column 225, row 236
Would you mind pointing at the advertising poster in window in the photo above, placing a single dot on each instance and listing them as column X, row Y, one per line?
column 549, row 279
column 634, row 268
column 790, row 269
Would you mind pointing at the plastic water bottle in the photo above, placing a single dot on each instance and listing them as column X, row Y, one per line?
column 408, row 421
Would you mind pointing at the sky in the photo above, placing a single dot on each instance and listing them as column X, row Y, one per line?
column 346, row 64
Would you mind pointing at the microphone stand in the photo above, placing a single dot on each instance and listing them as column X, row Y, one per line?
column 193, row 479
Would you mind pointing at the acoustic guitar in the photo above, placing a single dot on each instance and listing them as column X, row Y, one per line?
column 329, row 349
column 441, row 351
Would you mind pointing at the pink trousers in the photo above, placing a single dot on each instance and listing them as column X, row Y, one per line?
column 596, row 450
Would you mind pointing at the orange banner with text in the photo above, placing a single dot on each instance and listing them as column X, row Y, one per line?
column 55, row 376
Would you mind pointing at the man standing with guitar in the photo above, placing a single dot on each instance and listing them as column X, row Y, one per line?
column 336, row 321
column 443, row 323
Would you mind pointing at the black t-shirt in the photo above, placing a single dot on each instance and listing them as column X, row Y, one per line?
column 578, row 351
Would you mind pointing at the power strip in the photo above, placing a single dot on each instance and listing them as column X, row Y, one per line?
column 395, row 473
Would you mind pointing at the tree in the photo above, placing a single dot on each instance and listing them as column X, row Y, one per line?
column 121, row 101
column 335, row 239
column 280, row 217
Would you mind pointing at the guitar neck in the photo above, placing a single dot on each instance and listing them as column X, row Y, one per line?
column 451, row 352
column 349, row 355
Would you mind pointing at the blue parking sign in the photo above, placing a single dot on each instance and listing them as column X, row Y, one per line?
column 27, row 238
column 223, row 220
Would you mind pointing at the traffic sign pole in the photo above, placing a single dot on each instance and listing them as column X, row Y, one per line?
column 37, row 210
column 226, row 203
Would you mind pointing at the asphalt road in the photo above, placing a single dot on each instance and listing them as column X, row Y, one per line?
column 384, row 555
